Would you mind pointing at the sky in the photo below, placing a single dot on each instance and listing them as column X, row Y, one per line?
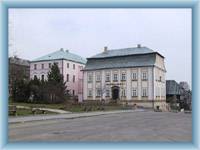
column 37, row 32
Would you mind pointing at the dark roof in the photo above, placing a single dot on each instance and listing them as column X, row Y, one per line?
column 120, row 62
column 172, row 87
column 19, row 61
column 125, row 52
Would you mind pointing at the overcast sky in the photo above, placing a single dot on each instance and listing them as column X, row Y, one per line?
column 36, row 32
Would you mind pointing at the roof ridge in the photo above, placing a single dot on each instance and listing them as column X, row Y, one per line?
column 62, row 54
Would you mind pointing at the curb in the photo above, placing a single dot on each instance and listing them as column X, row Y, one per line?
column 66, row 116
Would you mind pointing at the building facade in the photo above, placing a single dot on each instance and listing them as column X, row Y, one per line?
column 18, row 69
column 133, row 76
column 70, row 66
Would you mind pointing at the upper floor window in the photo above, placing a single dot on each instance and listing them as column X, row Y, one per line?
column 42, row 66
column 98, row 77
column 67, row 78
column 35, row 66
column 49, row 65
column 134, row 92
column 144, row 92
column 73, row 78
column 107, row 77
column 123, row 76
column 67, row 65
column 144, row 75
column 160, row 78
column 115, row 77
column 73, row 66
column 89, row 77
column 134, row 76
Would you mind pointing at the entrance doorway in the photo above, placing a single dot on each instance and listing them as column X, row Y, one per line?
column 115, row 92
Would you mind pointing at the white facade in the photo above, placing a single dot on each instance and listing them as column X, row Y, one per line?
column 144, row 86
column 71, row 71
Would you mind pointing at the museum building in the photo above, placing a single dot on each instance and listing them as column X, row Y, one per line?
column 132, row 76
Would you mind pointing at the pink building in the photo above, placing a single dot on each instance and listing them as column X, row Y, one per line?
column 70, row 66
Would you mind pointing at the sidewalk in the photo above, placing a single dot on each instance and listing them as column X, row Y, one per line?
column 66, row 116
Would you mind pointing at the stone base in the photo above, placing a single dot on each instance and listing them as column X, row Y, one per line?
column 149, row 104
column 161, row 104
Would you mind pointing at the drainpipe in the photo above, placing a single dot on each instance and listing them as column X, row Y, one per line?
column 153, row 89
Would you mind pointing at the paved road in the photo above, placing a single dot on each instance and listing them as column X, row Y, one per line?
column 133, row 126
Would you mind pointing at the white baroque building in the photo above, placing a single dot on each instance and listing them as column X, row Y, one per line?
column 133, row 76
column 70, row 66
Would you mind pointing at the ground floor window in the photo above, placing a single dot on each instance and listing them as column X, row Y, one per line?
column 144, row 92
column 123, row 94
column 134, row 92
column 98, row 92
column 89, row 92
column 107, row 93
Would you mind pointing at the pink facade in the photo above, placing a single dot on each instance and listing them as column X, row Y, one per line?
column 71, row 71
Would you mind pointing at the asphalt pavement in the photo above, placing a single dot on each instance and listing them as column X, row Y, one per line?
column 124, row 126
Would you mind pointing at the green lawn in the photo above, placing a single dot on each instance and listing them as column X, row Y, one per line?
column 52, row 106
column 26, row 112
column 71, row 108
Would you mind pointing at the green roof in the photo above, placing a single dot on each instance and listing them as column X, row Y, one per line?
column 61, row 54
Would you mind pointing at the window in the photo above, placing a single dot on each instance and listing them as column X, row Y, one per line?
column 134, row 92
column 144, row 75
column 68, row 91
column 98, row 77
column 89, row 92
column 160, row 79
column 73, row 78
column 73, row 66
column 90, row 77
column 67, row 78
column 67, row 65
column 49, row 65
column 42, row 77
column 42, row 66
column 123, row 92
column 115, row 77
column 107, row 77
column 35, row 77
column 107, row 93
column 98, row 92
column 35, row 66
column 73, row 92
column 134, row 76
column 123, row 76
column 144, row 92
column 81, row 67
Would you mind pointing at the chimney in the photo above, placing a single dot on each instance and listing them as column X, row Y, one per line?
column 105, row 49
column 138, row 46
